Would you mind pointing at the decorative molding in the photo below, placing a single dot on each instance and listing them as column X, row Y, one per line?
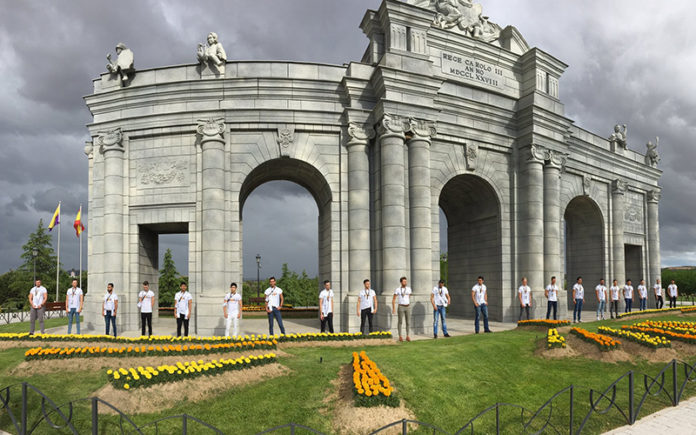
column 557, row 160
column 471, row 154
column 586, row 184
column 634, row 215
column 392, row 125
column 286, row 137
column 619, row 187
column 212, row 129
column 537, row 154
column 159, row 173
column 89, row 149
column 111, row 140
column 654, row 196
column 422, row 129
column 360, row 133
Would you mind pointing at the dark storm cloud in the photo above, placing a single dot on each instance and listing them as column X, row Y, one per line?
column 629, row 63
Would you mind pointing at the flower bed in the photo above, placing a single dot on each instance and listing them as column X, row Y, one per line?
column 679, row 331
column 671, row 325
column 130, row 378
column 691, row 309
column 544, row 322
column 642, row 338
column 652, row 311
column 554, row 340
column 604, row 342
column 40, row 353
column 370, row 386
column 327, row 336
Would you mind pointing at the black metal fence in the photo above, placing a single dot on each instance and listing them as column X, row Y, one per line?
column 26, row 409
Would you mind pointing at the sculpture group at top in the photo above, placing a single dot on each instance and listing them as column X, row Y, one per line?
column 464, row 15
column 213, row 55
column 124, row 67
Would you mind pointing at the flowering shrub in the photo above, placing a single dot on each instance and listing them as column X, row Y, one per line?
column 553, row 339
column 328, row 336
column 544, row 322
column 370, row 386
column 652, row 311
column 150, row 350
column 604, row 342
column 136, row 377
column 641, row 338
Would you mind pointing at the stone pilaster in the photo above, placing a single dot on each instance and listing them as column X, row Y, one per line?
column 531, row 247
column 618, row 190
column 211, row 133
column 654, row 268
column 552, row 231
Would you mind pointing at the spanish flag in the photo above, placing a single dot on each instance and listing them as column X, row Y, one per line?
column 55, row 220
column 79, row 228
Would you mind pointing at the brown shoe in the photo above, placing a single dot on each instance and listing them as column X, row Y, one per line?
column 408, row 338
column 401, row 339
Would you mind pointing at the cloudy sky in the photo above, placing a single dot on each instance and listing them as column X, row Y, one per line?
column 630, row 62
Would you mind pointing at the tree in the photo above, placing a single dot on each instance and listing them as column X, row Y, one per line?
column 298, row 290
column 444, row 270
column 169, row 281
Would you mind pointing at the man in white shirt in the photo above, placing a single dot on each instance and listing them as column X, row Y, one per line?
column 74, row 300
column 146, row 299
column 551, row 294
column 274, row 301
column 643, row 294
column 109, row 307
column 403, row 293
column 183, row 306
column 601, row 292
column 326, row 299
column 480, row 298
column 659, row 292
column 440, row 299
column 673, row 292
column 367, row 306
column 232, row 310
column 615, row 290
column 628, row 296
column 524, row 294
column 578, row 299
column 38, row 296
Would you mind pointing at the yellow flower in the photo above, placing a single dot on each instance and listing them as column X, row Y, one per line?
column 126, row 386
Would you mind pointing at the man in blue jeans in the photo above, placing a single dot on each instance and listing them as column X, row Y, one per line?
column 73, row 305
column 274, row 301
column 480, row 298
column 109, row 307
column 440, row 299
column 578, row 298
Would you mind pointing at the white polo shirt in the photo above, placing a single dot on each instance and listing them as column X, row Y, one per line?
column 579, row 291
column 601, row 292
column 232, row 302
column 628, row 291
column 146, row 304
column 440, row 296
column 553, row 292
column 642, row 291
column 326, row 297
column 479, row 293
column 40, row 295
column 273, row 296
column 73, row 296
column 366, row 299
column 109, row 299
column 615, row 292
column 181, row 300
column 672, row 290
column 404, row 295
column 658, row 289
column 525, row 291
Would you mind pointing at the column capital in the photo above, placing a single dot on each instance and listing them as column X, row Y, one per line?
column 392, row 125
column 556, row 160
column 89, row 149
column 537, row 154
column 619, row 187
column 360, row 134
column 111, row 140
column 212, row 129
column 654, row 196
column 422, row 129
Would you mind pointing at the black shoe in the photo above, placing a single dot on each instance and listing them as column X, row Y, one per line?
column 477, row 332
column 447, row 335
column 488, row 331
column 435, row 336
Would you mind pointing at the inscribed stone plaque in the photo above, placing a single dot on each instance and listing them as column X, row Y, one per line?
column 163, row 173
column 473, row 70
column 633, row 213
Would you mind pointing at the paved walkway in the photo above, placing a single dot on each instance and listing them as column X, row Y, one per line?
column 679, row 420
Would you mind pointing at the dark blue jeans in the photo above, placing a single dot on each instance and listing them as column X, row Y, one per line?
column 110, row 319
column 629, row 302
column 275, row 313
column 577, row 310
column 73, row 314
column 643, row 304
column 549, row 306
column 481, row 309
column 440, row 313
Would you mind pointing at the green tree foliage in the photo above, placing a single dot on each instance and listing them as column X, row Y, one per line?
column 685, row 279
column 298, row 290
column 444, row 271
column 169, row 281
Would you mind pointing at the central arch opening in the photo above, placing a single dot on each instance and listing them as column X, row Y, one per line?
column 472, row 212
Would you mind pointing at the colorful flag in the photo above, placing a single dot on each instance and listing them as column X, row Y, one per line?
column 79, row 228
column 55, row 220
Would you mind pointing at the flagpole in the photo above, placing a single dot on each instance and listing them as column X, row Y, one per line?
column 58, row 258
column 80, row 240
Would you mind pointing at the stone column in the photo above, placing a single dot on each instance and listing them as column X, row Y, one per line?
column 213, row 206
column 420, row 201
column 111, row 146
column 531, row 247
column 654, row 268
column 358, row 215
column 618, row 189
column 552, row 232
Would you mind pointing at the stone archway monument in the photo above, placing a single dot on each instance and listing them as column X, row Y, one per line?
column 445, row 108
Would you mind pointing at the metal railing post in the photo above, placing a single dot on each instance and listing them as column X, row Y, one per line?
column 631, row 417
column 675, row 400
column 404, row 426
column 184, row 425
column 497, row 419
column 23, row 428
column 571, row 408
column 95, row 416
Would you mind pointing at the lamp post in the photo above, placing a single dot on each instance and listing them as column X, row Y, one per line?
column 258, row 275
column 34, row 254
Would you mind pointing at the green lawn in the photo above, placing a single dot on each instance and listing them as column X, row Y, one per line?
column 48, row 323
column 444, row 382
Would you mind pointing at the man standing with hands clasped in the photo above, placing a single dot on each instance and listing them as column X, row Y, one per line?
column 614, row 306
column 440, row 299
column 480, row 298
column 38, row 296
column 367, row 306
column 326, row 298
column 232, row 310
column 183, row 304
column 628, row 296
column 643, row 295
column 659, row 291
column 673, row 292
column 73, row 305
column 146, row 299
column 404, row 294
column 274, row 301
column 578, row 298
column 524, row 294
column 109, row 307
column 552, row 295
column 601, row 291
